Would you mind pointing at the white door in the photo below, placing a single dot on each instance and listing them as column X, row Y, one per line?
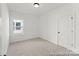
column 65, row 30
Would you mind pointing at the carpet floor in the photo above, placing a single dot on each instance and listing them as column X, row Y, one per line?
column 37, row 47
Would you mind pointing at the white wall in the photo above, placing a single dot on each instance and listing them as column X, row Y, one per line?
column 77, row 27
column 0, row 36
column 0, row 30
column 48, row 27
column 30, row 26
column 49, row 21
column 4, row 30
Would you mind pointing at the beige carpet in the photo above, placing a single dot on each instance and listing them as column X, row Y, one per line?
column 37, row 47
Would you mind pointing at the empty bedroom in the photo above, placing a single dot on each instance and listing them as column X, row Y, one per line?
column 39, row 29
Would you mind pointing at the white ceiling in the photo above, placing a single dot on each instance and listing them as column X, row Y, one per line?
column 27, row 8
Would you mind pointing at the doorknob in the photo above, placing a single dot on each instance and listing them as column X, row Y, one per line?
column 58, row 32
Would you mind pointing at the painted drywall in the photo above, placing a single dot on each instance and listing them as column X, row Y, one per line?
column 0, row 30
column 4, row 30
column 30, row 26
column 49, row 25
column 77, row 26
column 0, row 36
